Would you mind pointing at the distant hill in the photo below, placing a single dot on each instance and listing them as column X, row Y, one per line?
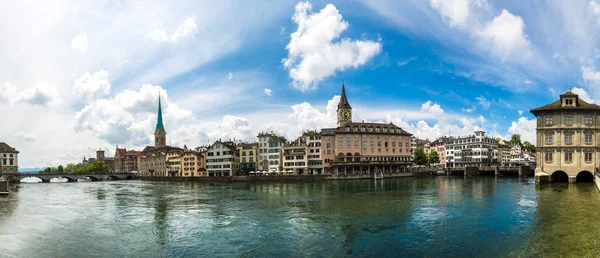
column 30, row 170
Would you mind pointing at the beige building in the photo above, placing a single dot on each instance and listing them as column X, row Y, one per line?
column 174, row 161
column 192, row 163
column 248, row 157
column 567, row 139
column 269, row 151
column 9, row 159
column 295, row 157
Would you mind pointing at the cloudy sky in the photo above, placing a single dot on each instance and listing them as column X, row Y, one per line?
column 79, row 75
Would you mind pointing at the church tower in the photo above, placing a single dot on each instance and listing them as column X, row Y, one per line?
column 160, row 135
column 344, row 110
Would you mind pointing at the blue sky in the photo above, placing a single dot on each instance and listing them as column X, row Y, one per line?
column 82, row 75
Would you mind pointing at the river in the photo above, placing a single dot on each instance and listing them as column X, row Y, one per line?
column 405, row 217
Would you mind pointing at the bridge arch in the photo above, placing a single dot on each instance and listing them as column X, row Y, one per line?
column 94, row 178
column 33, row 177
column 584, row 177
column 129, row 177
column 113, row 178
column 559, row 176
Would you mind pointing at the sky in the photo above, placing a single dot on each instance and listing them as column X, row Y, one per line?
column 77, row 76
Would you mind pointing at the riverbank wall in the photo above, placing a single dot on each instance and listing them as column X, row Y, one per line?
column 269, row 178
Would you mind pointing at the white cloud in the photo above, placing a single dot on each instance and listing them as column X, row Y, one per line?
column 8, row 93
column 483, row 101
column 42, row 94
column 281, row 30
column 582, row 93
column 590, row 75
column 25, row 136
column 468, row 110
column 312, row 54
column 528, row 82
column 520, row 112
column 406, row 61
column 506, row 35
column 94, row 86
column 80, row 43
column 525, row 127
column 435, row 109
column 268, row 92
column 455, row 12
column 185, row 30
column 229, row 76
column 595, row 8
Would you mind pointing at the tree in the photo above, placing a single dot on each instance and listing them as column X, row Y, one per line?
column 97, row 167
column 529, row 147
column 516, row 139
column 48, row 170
column 60, row 169
column 420, row 158
column 433, row 157
column 70, row 168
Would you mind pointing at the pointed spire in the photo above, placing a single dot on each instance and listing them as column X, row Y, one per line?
column 343, row 100
column 159, row 120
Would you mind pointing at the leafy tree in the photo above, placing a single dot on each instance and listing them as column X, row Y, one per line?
column 96, row 167
column 48, row 170
column 60, row 169
column 420, row 158
column 433, row 157
column 516, row 139
column 70, row 168
column 529, row 147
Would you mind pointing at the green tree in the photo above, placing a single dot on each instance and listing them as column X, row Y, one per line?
column 70, row 168
column 433, row 157
column 60, row 169
column 48, row 170
column 96, row 167
column 420, row 158
column 529, row 147
column 516, row 139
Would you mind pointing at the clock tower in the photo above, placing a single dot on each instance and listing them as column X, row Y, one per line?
column 344, row 110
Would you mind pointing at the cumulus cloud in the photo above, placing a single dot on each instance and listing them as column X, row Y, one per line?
column 92, row 86
column 312, row 53
column 185, row 30
column 268, row 92
column 505, row 33
column 455, row 12
column 8, row 92
column 520, row 112
column 42, row 94
column 80, row 43
column 583, row 95
column 468, row 110
column 25, row 136
column 525, row 127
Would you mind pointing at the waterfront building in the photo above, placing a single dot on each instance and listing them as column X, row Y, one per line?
column 269, row 151
column 9, row 159
column 222, row 159
column 315, row 161
column 567, row 139
column 192, row 163
column 295, row 156
column 439, row 146
column 503, row 152
column 110, row 162
column 363, row 148
column 173, row 161
column 119, row 159
column 153, row 159
column 476, row 150
column 248, row 157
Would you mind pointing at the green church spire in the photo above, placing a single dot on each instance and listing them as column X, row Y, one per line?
column 159, row 120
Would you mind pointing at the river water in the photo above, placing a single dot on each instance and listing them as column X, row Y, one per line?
column 406, row 217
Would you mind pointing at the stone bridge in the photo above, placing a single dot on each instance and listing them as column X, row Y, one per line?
column 45, row 177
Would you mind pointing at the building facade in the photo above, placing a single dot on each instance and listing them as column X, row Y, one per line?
column 439, row 146
column 222, row 159
column 269, row 152
column 174, row 161
column 9, row 159
column 355, row 148
column 315, row 161
column 504, row 152
column 192, row 163
column 476, row 150
column 295, row 157
column 248, row 157
column 567, row 139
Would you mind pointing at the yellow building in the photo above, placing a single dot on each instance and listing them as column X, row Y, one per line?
column 192, row 163
column 567, row 140
column 248, row 157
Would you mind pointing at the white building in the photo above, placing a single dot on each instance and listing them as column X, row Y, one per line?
column 269, row 151
column 9, row 159
column 474, row 150
column 315, row 162
column 295, row 157
column 222, row 159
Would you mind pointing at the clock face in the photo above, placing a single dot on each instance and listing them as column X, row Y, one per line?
column 344, row 115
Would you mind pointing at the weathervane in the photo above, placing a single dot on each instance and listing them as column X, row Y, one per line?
column 570, row 87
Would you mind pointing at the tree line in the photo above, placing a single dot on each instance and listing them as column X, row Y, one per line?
column 92, row 167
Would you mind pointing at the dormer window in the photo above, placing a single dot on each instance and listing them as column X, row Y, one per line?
column 569, row 102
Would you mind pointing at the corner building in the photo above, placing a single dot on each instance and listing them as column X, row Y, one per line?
column 359, row 148
column 567, row 139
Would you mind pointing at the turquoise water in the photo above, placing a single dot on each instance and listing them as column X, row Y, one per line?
column 409, row 217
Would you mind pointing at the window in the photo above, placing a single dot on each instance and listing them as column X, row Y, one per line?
column 347, row 128
column 588, row 138
column 569, row 138
column 588, row 120
column 340, row 137
column 549, row 121
column 569, row 120
column 340, row 144
column 356, row 143
column 348, row 143
column 549, row 139
column 378, row 137
column 588, row 157
column 355, row 128
column 348, row 137
column 378, row 129
column 393, row 137
column 370, row 129
column 362, row 128
column 364, row 137
column 364, row 143
column 568, row 156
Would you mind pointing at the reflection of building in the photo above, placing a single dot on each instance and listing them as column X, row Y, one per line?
column 248, row 157
column 153, row 159
column 192, row 163
column 566, row 138
column 269, row 149
column 363, row 148
column 222, row 159
column 472, row 151
column 9, row 159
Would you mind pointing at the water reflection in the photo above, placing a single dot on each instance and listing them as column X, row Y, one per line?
column 478, row 216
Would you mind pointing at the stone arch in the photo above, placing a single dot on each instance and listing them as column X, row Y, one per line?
column 113, row 178
column 40, row 178
column 559, row 176
column 584, row 176
column 94, row 178
column 129, row 177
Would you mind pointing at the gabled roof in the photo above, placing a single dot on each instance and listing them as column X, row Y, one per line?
column 120, row 152
column 557, row 105
column 367, row 125
column 5, row 148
